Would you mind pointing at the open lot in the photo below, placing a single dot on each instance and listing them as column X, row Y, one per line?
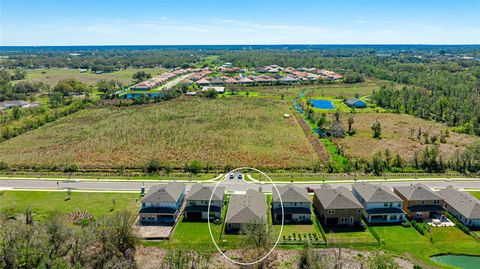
column 396, row 136
column 236, row 131
column 334, row 89
column 407, row 242
column 53, row 75
column 43, row 203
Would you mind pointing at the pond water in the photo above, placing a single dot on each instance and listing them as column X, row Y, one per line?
column 460, row 261
column 323, row 104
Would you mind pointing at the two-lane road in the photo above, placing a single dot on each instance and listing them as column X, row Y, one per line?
column 231, row 185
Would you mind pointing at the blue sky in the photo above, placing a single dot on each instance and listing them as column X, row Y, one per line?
column 172, row 22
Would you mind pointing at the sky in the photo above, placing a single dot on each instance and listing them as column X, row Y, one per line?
column 209, row 22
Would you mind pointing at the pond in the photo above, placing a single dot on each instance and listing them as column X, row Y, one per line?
column 460, row 261
column 322, row 104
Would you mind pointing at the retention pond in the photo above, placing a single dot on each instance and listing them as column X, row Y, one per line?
column 460, row 261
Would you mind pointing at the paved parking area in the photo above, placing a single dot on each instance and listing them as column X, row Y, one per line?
column 155, row 232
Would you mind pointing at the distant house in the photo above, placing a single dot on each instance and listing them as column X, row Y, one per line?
column 355, row 103
column 197, row 202
column 217, row 81
column 245, row 81
column 419, row 201
column 162, row 203
column 296, row 204
column 287, row 80
column 337, row 206
column 17, row 103
column 244, row 209
column 186, row 82
column 462, row 205
column 380, row 203
column 217, row 89
column 203, row 82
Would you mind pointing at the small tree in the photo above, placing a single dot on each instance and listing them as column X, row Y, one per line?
column 140, row 76
column 321, row 121
column 194, row 167
column 377, row 129
column 350, row 124
column 210, row 93
column 153, row 166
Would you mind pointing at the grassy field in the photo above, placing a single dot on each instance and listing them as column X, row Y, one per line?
column 52, row 76
column 236, row 131
column 43, row 203
column 335, row 89
column 396, row 136
column 407, row 242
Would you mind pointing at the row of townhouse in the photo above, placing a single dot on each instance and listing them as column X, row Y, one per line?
column 332, row 206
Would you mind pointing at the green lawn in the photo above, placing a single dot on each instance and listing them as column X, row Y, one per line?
column 476, row 194
column 43, row 203
column 53, row 75
column 409, row 243
column 195, row 233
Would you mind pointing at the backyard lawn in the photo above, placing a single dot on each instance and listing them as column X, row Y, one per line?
column 234, row 131
column 411, row 244
column 43, row 203
column 475, row 194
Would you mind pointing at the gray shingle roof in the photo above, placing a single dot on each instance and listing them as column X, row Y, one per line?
column 291, row 193
column 248, row 207
column 339, row 198
column 203, row 192
column 168, row 193
column 375, row 193
column 463, row 202
column 418, row 192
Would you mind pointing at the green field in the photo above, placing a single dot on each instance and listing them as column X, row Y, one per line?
column 43, row 203
column 233, row 131
column 52, row 76
column 408, row 243
column 335, row 89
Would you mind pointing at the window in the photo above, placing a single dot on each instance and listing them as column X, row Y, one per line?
column 385, row 205
column 436, row 202
column 331, row 212
column 394, row 217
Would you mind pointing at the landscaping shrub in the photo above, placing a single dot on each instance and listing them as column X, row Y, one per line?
column 419, row 227
column 458, row 223
column 70, row 168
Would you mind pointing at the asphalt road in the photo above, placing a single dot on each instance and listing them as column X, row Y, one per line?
column 230, row 185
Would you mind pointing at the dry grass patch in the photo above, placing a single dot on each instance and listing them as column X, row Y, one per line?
column 235, row 131
column 396, row 136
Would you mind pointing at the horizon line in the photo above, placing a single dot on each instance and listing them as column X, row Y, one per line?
column 279, row 44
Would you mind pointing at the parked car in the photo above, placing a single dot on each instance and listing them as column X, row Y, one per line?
column 240, row 177
column 231, row 176
column 310, row 190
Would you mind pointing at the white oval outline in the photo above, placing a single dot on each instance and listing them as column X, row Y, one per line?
column 208, row 217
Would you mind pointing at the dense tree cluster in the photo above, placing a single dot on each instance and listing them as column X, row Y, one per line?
column 22, row 90
column 108, row 242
